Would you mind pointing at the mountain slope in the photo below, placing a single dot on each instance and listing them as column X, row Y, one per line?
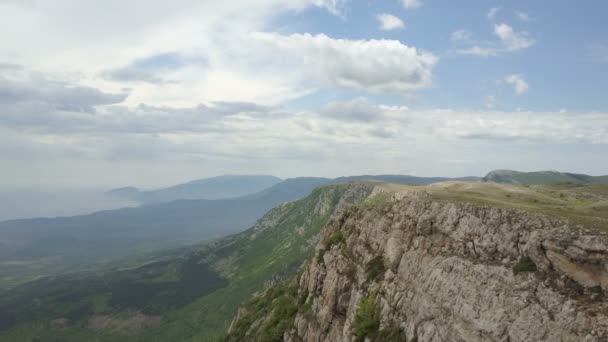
column 166, row 293
column 46, row 246
column 541, row 177
column 409, row 264
column 220, row 187
column 406, row 179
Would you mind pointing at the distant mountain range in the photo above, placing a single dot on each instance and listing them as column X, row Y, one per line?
column 221, row 187
column 170, row 217
column 232, row 186
column 541, row 177
column 70, row 243
column 176, row 216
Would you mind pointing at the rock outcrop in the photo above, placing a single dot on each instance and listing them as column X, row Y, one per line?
column 442, row 271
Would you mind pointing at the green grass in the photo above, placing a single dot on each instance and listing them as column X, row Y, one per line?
column 584, row 204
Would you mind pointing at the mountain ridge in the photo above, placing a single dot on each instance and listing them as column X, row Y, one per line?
column 410, row 264
column 541, row 177
column 212, row 188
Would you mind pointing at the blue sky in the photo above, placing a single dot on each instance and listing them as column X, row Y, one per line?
column 561, row 67
column 153, row 93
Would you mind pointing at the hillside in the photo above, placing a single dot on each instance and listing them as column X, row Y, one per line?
column 50, row 246
column 189, row 297
column 541, row 177
column 221, row 187
column 454, row 261
column 47, row 246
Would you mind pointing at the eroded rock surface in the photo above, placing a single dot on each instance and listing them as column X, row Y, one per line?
column 447, row 274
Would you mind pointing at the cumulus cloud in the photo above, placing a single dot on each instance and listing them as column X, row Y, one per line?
column 193, row 33
column 410, row 4
column 512, row 40
column 373, row 65
column 509, row 41
column 492, row 12
column 389, row 22
column 520, row 86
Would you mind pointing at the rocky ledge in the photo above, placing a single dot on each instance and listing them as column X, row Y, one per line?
column 406, row 268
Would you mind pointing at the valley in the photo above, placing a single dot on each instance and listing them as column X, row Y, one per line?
column 194, row 292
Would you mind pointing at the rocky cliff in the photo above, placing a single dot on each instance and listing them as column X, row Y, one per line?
column 408, row 267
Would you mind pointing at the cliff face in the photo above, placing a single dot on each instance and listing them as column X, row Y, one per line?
column 440, row 271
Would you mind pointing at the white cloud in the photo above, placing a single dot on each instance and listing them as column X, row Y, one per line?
column 509, row 41
column 520, row 86
column 523, row 16
column 512, row 40
column 492, row 12
column 335, row 7
column 103, row 50
column 389, row 22
column 373, row 65
column 491, row 101
column 410, row 4
column 461, row 35
column 340, row 138
column 355, row 110
column 23, row 90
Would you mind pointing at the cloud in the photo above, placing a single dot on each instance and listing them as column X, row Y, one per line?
column 150, row 69
column 523, row 16
column 126, row 54
column 492, row 12
column 372, row 65
column 512, row 40
column 335, row 7
column 461, row 35
column 355, row 110
column 410, row 4
column 520, row 86
column 509, row 41
column 491, row 101
column 389, row 22
column 23, row 89
column 338, row 138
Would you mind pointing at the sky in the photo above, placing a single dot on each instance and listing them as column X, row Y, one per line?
column 151, row 93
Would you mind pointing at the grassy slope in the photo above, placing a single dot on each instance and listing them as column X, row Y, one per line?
column 585, row 204
column 277, row 245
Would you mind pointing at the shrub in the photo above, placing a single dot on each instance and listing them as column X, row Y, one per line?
column 375, row 268
column 334, row 239
column 392, row 333
column 366, row 322
column 524, row 265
